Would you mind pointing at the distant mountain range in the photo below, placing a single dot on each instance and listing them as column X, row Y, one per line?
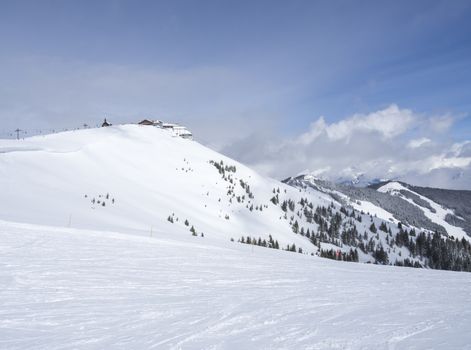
column 448, row 211
column 361, row 180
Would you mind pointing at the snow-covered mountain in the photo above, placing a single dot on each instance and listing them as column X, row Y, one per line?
column 407, row 219
column 447, row 211
column 450, row 209
column 129, row 237
column 144, row 180
column 140, row 179
column 352, row 176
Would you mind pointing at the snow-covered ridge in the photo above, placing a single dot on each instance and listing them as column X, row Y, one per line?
column 433, row 211
column 364, row 199
column 143, row 176
column 142, row 180
column 331, row 189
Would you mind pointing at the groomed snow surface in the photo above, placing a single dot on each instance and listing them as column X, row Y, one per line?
column 69, row 288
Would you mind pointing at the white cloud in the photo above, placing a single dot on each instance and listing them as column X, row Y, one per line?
column 382, row 144
column 388, row 123
column 416, row 143
column 426, row 165
column 439, row 162
column 228, row 107
column 441, row 123
column 316, row 172
column 461, row 148
column 315, row 130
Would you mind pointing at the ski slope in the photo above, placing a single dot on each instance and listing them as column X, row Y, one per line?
column 66, row 288
column 147, row 174
column 437, row 215
column 144, row 180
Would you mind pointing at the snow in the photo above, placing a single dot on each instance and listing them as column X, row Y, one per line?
column 391, row 186
column 75, row 288
column 374, row 210
column 76, row 274
column 365, row 206
column 437, row 217
column 149, row 173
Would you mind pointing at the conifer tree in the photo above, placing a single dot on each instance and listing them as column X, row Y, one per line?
column 373, row 228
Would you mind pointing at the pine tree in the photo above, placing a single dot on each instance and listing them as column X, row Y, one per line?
column 284, row 206
column 383, row 227
column 381, row 256
column 373, row 228
column 295, row 227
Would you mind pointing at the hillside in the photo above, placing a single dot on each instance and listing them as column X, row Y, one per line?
column 145, row 181
column 432, row 234
column 455, row 202
column 134, row 178
column 128, row 237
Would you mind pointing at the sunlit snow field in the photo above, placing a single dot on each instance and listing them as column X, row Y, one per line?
column 65, row 288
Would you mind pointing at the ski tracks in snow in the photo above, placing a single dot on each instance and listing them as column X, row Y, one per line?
column 71, row 289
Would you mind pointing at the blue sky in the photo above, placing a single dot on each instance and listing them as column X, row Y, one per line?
column 256, row 66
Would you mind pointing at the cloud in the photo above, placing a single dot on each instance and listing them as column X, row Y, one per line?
column 416, row 143
column 441, row 123
column 236, row 113
column 461, row 149
column 219, row 103
column 390, row 143
column 388, row 123
column 439, row 162
column 316, row 129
